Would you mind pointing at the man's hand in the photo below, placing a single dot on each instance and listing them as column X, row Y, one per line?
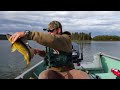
column 39, row 52
column 17, row 35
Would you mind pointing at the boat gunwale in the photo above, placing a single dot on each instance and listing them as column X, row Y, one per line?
column 33, row 67
column 109, row 56
column 22, row 75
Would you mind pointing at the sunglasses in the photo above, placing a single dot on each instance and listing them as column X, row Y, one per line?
column 50, row 30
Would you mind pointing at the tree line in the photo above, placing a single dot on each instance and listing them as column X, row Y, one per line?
column 81, row 36
column 84, row 36
column 75, row 36
column 87, row 36
column 106, row 38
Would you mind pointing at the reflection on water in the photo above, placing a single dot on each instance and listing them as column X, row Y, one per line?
column 12, row 64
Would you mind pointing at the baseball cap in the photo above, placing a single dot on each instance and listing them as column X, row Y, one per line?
column 53, row 25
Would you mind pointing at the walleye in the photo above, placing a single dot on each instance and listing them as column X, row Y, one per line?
column 23, row 48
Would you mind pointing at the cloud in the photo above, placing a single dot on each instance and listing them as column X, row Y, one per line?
column 73, row 21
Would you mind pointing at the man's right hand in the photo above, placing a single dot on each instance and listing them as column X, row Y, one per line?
column 17, row 35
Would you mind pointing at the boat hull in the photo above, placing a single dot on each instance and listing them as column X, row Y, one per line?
column 101, row 67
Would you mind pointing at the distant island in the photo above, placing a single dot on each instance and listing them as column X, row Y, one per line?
column 84, row 36
column 106, row 38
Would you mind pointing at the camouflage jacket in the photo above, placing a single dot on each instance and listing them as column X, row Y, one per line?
column 58, row 42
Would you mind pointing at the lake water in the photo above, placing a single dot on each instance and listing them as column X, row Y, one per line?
column 12, row 64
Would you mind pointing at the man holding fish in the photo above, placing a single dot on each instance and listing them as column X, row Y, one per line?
column 58, row 54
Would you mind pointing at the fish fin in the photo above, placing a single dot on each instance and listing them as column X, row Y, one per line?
column 27, row 65
column 27, row 61
column 13, row 48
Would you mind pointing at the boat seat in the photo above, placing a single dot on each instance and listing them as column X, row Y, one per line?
column 106, row 75
column 90, row 66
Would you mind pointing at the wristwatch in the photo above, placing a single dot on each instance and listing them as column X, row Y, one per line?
column 27, row 32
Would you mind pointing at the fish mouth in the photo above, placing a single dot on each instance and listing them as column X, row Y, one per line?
column 8, row 35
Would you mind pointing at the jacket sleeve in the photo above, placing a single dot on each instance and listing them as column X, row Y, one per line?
column 58, row 42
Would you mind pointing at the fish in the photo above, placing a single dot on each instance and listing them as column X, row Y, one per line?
column 21, row 47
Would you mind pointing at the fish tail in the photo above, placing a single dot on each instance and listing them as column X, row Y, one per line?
column 27, row 61
column 27, row 65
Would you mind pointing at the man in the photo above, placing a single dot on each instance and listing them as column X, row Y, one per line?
column 58, row 54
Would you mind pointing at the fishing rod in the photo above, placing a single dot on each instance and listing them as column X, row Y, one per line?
column 81, row 47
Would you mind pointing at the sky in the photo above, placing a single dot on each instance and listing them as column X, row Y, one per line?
column 96, row 22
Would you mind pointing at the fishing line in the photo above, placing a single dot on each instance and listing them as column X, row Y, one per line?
column 81, row 47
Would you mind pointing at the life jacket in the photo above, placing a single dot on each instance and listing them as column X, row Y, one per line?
column 56, row 58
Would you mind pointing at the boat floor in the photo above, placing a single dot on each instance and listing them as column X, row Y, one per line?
column 96, row 68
